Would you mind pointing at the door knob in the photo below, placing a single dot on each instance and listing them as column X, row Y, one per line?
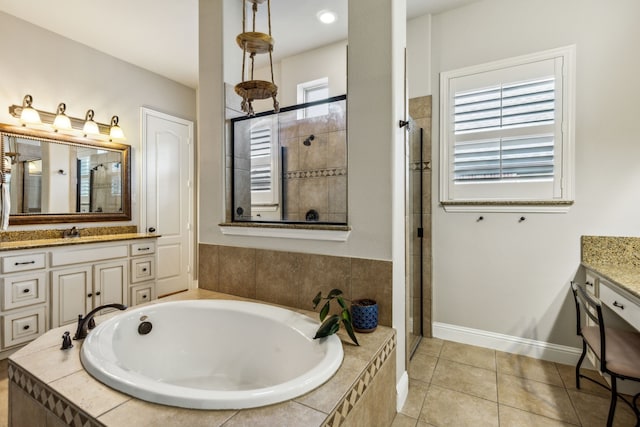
column 152, row 230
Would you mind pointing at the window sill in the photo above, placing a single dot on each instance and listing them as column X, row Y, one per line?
column 331, row 233
column 528, row 206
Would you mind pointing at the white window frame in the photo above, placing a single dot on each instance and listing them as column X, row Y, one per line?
column 303, row 89
column 506, row 196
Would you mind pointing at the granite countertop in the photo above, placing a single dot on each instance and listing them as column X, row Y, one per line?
column 616, row 258
column 626, row 277
column 45, row 243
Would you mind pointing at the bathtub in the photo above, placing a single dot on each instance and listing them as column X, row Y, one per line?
column 211, row 354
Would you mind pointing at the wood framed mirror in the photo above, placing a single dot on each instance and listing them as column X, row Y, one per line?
column 62, row 178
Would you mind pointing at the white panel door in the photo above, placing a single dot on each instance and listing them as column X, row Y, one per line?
column 167, row 189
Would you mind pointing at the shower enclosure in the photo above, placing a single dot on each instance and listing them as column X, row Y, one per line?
column 418, row 222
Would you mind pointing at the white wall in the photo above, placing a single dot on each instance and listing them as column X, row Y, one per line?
column 54, row 69
column 512, row 278
column 369, row 153
column 419, row 56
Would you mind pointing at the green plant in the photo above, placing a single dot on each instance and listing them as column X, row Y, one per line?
column 330, row 325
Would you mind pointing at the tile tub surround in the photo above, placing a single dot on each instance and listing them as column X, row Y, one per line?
column 49, row 387
column 293, row 279
column 615, row 258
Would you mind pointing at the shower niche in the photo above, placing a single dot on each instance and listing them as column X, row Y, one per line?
column 291, row 167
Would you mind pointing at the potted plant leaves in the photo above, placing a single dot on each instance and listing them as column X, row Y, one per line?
column 331, row 324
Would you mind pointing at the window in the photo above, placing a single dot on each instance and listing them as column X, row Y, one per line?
column 315, row 90
column 264, row 165
column 506, row 133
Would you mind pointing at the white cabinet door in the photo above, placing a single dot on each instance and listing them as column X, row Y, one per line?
column 71, row 294
column 110, row 283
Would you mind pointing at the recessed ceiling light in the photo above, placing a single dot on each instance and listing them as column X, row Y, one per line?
column 326, row 16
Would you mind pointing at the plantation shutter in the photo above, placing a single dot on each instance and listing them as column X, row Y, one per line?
column 505, row 132
column 261, row 173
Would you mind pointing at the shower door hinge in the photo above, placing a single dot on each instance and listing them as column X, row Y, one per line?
column 420, row 232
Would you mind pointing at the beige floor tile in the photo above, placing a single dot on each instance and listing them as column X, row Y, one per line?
column 421, row 367
column 469, row 355
column 543, row 399
column 402, row 420
column 593, row 410
column 415, row 399
column 528, row 367
column 567, row 373
column 466, row 379
column 512, row 417
column 444, row 407
column 430, row 346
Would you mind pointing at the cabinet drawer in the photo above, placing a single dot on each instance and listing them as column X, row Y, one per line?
column 620, row 304
column 23, row 290
column 140, row 294
column 144, row 248
column 87, row 255
column 12, row 264
column 23, row 326
column 142, row 269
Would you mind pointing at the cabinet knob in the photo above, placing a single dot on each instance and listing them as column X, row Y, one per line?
column 144, row 270
column 25, row 327
column 98, row 293
column 89, row 295
column 152, row 230
column 26, row 291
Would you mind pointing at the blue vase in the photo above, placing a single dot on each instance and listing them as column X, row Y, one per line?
column 364, row 314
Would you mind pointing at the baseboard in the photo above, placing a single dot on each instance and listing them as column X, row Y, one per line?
column 507, row 343
column 402, row 389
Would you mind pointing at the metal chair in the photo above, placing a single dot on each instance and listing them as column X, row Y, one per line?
column 618, row 351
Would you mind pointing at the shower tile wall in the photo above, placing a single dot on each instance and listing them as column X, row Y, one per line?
column 293, row 279
column 420, row 111
column 315, row 172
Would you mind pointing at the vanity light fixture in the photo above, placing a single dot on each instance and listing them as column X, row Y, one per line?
column 326, row 16
column 29, row 115
column 90, row 127
column 62, row 121
column 115, row 132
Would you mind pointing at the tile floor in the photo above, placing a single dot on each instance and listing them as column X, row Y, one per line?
column 452, row 384
column 459, row 385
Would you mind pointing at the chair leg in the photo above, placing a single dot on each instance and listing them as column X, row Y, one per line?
column 584, row 353
column 614, row 400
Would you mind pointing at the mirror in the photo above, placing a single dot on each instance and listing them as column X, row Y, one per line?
column 56, row 178
column 291, row 167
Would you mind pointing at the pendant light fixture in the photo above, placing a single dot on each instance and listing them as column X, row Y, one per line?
column 255, row 43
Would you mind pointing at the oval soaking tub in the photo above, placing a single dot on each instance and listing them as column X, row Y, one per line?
column 211, row 354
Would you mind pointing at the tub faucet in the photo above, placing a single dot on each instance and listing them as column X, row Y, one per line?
column 87, row 322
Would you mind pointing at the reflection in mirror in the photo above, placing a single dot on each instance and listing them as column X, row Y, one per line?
column 58, row 178
column 291, row 167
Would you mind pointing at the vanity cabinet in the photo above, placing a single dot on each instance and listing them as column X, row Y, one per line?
column 48, row 287
column 23, row 309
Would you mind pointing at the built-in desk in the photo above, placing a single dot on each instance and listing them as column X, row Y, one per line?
column 612, row 273
column 618, row 287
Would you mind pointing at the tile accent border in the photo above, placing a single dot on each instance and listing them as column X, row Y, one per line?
column 64, row 410
column 317, row 173
column 351, row 398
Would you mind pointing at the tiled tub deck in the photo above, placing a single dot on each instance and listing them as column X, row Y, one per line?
column 49, row 387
